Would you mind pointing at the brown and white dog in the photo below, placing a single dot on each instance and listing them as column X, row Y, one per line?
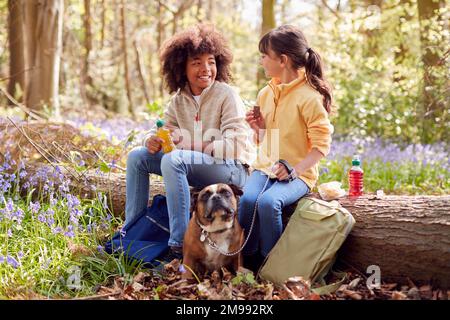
column 214, row 224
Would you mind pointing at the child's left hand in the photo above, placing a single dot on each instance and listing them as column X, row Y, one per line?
column 280, row 171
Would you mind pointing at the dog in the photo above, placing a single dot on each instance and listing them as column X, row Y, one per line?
column 213, row 227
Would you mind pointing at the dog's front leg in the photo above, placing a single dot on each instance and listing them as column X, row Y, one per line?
column 188, row 265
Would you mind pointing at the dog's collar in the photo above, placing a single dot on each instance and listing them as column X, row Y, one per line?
column 208, row 232
column 204, row 236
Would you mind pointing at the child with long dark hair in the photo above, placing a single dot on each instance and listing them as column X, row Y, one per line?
column 292, row 125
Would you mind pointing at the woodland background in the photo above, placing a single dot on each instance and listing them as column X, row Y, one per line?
column 80, row 83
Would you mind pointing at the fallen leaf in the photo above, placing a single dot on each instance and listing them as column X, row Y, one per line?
column 441, row 295
column 389, row 286
column 397, row 295
column 354, row 283
column 352, row 294
column 140, row 277
column 227, row 275
column 426, row 292
column 118, row 283
column 172, row 266
column 300, row 287
column 137, row 286
column 410, row 283
column 413, row 293
column 314, row 296
column 78, row 249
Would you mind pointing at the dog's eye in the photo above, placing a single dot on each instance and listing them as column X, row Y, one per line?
column 205, row 196
column 225, row 193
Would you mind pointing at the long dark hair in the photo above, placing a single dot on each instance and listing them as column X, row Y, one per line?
column 290, row 41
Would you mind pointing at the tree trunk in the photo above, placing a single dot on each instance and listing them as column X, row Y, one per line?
column 141, row 68
column 371, row 30
column 43, row 22
column 268, row 23
column 211, row 10
column 403, row 49
column 427, row 10
column 125, row 57
column 16, row 48
column 406, row 236
column 159, row 40
column 87, row 41
column 102, row 31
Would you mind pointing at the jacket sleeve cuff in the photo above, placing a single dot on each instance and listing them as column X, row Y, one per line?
column 218, row 149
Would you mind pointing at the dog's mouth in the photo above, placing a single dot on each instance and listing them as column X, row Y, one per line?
column 220, row 211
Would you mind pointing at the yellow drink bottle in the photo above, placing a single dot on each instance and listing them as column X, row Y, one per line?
column 164, row 134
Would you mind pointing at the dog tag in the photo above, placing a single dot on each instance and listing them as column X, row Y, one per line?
column 203, row 237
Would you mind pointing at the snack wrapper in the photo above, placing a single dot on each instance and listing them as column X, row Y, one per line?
column 331, row 190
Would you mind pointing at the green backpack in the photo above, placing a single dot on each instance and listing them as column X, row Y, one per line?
column 308, row 245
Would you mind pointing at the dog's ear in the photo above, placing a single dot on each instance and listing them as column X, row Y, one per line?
column 236, row 190
column 194, row 198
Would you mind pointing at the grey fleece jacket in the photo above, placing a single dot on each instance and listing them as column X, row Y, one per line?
column 221, row 114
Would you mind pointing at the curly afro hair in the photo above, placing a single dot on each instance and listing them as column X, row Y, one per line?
column 200, row 39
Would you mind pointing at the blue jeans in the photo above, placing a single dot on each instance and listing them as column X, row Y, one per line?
column 179, row 169
column 268, row 224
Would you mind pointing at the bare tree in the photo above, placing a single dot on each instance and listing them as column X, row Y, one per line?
column 268, row 23
column 43, row 24
column 102, row 31
column 16, row 47
column 123, row 24
column 87, row 41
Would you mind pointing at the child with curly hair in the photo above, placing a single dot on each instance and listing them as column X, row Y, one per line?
column 207, row 120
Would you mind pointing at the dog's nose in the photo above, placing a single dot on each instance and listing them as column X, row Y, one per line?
column 216, row 197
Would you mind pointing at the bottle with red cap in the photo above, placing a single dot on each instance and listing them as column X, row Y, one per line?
column 355, row 178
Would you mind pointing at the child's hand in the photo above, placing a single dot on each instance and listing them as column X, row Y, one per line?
column 175, row 133
column 280, row 171
column 256, row 123
column 154, row 144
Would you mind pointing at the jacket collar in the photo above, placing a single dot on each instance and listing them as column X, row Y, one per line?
column 279, row 88
column 186, row 91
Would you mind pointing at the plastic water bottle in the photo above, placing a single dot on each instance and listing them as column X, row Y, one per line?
column 355, row 177
column 164, row 134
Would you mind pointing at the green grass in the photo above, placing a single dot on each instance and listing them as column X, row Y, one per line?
column 393, row 178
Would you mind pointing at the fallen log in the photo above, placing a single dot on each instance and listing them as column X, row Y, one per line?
column 405, row 236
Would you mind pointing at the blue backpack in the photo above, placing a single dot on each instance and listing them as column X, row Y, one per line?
column 145, row 237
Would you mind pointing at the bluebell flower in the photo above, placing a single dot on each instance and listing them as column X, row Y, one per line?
column 12, row 262
column 35, row 207
column 69, row 233
column 50, row 221
column 56, row 230
column 41, row 218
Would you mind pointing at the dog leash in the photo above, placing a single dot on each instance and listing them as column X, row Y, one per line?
column 205, row 235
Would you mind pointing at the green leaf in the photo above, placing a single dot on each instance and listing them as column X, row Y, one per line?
column 104, row 167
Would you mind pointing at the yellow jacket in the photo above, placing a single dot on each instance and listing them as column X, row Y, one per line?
column 296, row 121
